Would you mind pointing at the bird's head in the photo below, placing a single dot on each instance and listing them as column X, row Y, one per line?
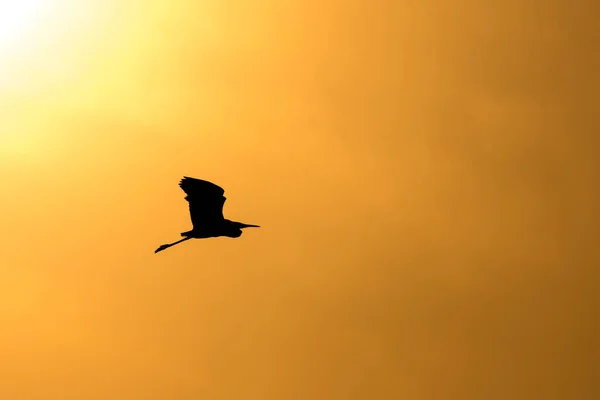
column 242, row 226
column 235, row 229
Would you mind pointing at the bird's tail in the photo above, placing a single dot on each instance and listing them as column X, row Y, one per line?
column 186, row 234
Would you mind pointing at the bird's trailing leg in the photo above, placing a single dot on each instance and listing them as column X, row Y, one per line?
column 166, row 246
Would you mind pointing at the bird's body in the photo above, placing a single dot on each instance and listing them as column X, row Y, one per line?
column 206, row 202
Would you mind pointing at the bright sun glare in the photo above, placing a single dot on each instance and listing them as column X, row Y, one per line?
column 17, row 18
column 47, row 50
column 20, row 22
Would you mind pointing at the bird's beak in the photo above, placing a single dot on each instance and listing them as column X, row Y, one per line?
column 249, row 226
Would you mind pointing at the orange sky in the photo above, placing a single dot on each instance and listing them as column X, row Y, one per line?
column 423, row 171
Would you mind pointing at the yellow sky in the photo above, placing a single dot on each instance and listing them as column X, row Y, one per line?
column 423, row 171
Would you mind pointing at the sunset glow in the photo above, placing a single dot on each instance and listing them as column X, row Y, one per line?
column 424, row 174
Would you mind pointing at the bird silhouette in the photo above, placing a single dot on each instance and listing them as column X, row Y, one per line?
column 206, row 202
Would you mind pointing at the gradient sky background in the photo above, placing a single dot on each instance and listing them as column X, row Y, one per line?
column 424, row 173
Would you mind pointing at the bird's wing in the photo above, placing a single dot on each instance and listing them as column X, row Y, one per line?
column 206, row 201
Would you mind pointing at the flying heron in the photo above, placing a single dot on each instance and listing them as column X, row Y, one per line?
column 206, row 211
